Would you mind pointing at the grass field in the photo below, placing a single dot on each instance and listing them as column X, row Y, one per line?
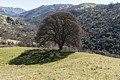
column 76, row 66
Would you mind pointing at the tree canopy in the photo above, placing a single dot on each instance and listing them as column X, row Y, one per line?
column 61, row 28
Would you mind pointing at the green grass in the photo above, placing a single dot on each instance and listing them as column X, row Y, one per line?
column 76, row 66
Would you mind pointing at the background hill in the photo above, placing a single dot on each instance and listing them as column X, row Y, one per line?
column 10, row 11
column 36, row 15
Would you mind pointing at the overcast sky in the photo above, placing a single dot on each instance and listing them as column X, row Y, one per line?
column 31, row 4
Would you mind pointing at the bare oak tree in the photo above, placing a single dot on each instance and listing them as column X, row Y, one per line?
column 62, row 28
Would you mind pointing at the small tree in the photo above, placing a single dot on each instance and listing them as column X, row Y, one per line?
column 62, row 28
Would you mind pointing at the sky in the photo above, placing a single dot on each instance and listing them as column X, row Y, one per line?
column 31, row 4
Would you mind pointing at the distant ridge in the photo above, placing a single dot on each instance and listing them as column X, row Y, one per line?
column 10, row 11
column 37, row 14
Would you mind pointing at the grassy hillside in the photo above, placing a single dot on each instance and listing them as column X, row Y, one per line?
column 76, row 66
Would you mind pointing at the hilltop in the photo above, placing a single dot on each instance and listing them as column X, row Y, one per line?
column 76, row 66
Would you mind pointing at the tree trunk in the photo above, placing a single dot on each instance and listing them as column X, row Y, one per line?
column 60, row 47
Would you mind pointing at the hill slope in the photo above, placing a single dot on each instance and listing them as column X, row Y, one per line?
column 77, row 66
column 102, row 26
column 12, row 28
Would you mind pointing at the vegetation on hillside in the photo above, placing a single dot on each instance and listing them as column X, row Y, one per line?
column 102, row 24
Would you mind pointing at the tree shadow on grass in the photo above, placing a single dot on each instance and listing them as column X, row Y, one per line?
column 37, row 56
